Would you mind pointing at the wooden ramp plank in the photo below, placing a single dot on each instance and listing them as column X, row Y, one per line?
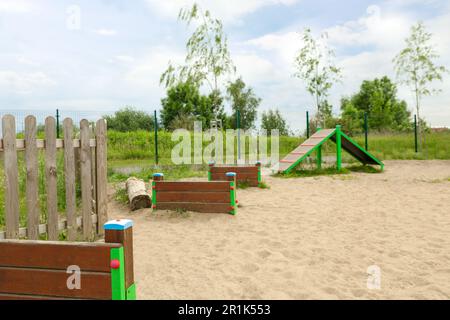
column 306, row 147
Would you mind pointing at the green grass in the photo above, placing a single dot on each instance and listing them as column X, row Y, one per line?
column 328, row 171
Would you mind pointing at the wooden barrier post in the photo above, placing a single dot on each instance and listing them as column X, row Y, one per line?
column 156, row 177
column 258, row 164
column 231, row 176
column 338, row 148
column 211, row 164
column 122, row 268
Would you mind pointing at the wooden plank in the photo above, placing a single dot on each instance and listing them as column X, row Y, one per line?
column 93, row 173
column 32, row 188
column 199, row 197
column 102, row 174
column 69, row 175
column 21, row 143
column 126, row 239
column 86, row 192
column 239, row 176
column 193, row 186
column 54, row 283
column 93, row 257
column 11, row 177
column 197, row 207
column 224, row 170
column 50, row 178
column 5, row 297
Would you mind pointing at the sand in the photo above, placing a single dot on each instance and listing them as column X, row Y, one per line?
column 306, row 238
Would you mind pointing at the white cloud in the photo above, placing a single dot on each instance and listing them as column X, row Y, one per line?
column 229, row 11
column 15, row 6
column 106, row 32
column 24, row 83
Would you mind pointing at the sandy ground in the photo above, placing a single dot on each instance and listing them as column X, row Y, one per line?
column 306, row 238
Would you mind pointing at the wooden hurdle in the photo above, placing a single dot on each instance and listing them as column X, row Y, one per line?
column 208, row 197
column 244, row 174
column 44, row 270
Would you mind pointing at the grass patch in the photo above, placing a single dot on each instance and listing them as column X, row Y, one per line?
column 121, row 195
column 302, row 173
column 263, row 185
column 364, row 169
column 243, row 185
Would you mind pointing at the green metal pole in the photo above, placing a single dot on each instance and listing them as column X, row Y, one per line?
column 57, row 123
column 307, row 124
column 366, row 131
column 319, row 154
column 238, row 127
column 156, row 140
column 338, row 148
column 415, row 134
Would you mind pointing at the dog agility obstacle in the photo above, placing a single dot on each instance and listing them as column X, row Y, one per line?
column 208, row 197
column 244, row 174
column 43, row 270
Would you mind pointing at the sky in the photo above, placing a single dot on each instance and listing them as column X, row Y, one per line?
column 102, row 55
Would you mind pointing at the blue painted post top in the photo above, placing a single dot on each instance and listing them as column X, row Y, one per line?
column 158, row 175
column 211, row 163
column 119, row 224
column 231, row 174
column 258, row 163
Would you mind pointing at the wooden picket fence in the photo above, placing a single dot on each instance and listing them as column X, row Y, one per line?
column 85, row 162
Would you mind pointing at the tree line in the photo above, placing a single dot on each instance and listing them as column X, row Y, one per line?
column 198, row 89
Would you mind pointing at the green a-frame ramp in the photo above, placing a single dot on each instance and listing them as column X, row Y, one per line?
column 314, row 144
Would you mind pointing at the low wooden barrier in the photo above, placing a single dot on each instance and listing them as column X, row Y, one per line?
column 208, row 197
column 43, row 270
column 244, row 174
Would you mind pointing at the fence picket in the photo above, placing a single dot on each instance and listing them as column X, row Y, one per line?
column 12, row 177
column 102, row 178
column 86, row 180
column 69, row 175
column 32, row 188
column 51, row 179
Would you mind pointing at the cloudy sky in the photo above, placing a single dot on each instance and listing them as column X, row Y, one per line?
column 115, row 52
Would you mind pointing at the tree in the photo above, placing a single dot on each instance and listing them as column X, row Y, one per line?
column 183, row 102
column 130, row 119
column 207, row 58
column 245, row 101
column 272, row 120
column 416, row 68
column 315, row 66
column 377, row 98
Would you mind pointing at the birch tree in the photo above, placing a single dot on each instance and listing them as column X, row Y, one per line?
column 416, row 67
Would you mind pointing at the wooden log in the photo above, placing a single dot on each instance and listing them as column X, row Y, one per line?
column 137, row 194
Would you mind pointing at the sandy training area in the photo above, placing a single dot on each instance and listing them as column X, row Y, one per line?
column 305, row 238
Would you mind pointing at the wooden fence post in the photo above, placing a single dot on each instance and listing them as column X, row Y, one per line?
column 69, row 175
column 50, row 178
column 12, row 177
column 121, row 231
column 86, row 192
column 32, row 193
column 102, row 175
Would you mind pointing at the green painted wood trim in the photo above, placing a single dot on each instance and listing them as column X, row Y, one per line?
column 338, row 148
column 118, row 275
column 209, row 174
column 233, row 198
column 259, row 175
column 131, row 292
column 154, row 195
column 306, row 155
column 380, row 163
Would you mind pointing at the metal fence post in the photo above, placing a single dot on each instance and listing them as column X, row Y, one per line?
column 307, row 124
column 415, row 134
column 156, row 139
column 57, row 123
column 366, row 131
